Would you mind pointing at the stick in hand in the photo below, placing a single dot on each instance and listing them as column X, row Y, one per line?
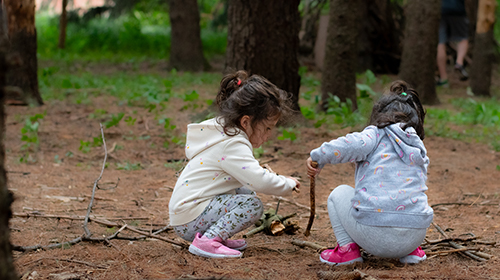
column 312, row 200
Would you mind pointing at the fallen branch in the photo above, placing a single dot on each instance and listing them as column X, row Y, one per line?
column 87, row 235
column 49, row 216
column 91, row 203
column 67, row 260
column 456, row 246
column 302, row 244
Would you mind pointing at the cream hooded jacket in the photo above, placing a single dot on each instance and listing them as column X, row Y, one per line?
column 218, row 164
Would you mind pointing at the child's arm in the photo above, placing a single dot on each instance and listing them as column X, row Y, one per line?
column 239, row 162
column 350, row 148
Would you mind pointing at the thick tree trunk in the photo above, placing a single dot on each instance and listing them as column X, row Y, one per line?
column 380, row 36
column 62, row 25
column 186, row 51
column 22, row 37
column 263, row 38
column 339, row 70
column 418, row 61
column 7, row 270
column 483, row 53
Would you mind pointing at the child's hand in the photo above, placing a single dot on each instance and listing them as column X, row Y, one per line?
column 311, row 171
column 297, row 184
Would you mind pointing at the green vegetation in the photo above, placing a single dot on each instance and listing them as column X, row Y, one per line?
column 29, row 138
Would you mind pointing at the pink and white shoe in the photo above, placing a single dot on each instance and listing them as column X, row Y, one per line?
column 237, row 244
column 346, row 254
column 211, row 248
column 416, row 256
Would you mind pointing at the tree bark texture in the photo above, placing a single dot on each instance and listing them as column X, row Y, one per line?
column 63, row 22
column 483, row 53
column 186, row 51
column 7, row 270
column 339, row 71
column 22, row 37
column 263, row 38
column 380, row 36
column 418, row 61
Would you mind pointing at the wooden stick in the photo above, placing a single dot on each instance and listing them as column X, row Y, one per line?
column 456, row 246
column 86, row 220
column 313, row 202
column 302, row 243
column 91, row 218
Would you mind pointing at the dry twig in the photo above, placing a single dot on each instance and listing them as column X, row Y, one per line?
column 457, row 246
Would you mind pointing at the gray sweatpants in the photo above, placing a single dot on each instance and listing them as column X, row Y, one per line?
column 388, row 242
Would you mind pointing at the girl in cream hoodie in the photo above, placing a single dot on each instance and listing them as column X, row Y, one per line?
column 214, row 197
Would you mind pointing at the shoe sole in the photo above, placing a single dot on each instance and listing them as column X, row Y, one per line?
column 196, row 251
column 412, row 259
column 360, row 259
column 239, row 248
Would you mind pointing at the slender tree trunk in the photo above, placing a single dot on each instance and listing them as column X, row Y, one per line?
column 339, row 70
column 22, row 37
column 62, row 25
column 186, row 50
column 7, row 270
column 309, row 29
column 483, row 53
column 263, row 38
column 418, row 61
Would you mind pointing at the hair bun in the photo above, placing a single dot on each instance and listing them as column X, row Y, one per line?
column 399, row 87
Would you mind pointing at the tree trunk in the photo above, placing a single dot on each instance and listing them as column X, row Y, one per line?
column 418, row 61
column 309, row 28
column 339, row 70
column 22, row 37
column 263, row 38
column 121, row 7
column 380, row 36
column 186, row 50
column 483, row 53
column 62, row 25
column 7, row 270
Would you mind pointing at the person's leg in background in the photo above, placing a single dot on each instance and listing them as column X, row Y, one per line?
column 441, row 63
column 441, row 53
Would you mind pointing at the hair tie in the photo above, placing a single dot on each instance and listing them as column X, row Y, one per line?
column 403, row 93
column 239, row 82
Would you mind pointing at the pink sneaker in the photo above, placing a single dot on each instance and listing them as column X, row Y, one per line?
column 414, row 257
column 211, row 248
column 346, row 254
column 238, row 244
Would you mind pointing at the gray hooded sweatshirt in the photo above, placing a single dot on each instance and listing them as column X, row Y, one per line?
column 391, row 171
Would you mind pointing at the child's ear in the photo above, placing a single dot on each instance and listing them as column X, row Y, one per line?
column 245, row 122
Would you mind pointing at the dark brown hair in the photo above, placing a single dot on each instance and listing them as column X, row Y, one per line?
column 400, row 105
column 255, row 96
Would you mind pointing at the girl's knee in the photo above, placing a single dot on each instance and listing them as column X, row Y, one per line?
column 341, row 191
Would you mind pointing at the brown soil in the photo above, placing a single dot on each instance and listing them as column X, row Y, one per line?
column 459, row 173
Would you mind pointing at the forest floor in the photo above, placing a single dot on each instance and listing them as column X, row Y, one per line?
column 463, row 186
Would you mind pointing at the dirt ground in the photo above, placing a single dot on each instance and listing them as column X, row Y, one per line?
column 60, row 184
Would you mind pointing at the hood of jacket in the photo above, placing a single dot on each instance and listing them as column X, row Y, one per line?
column 204, row 135
column 407, row 144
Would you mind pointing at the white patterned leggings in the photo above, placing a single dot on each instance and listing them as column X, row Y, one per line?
column 225, row 216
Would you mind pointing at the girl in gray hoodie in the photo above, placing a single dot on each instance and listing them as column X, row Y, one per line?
column 386, row 213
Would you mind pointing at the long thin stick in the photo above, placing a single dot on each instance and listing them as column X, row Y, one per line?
column 456, row 246
column 312, row 198
column 85, row 222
